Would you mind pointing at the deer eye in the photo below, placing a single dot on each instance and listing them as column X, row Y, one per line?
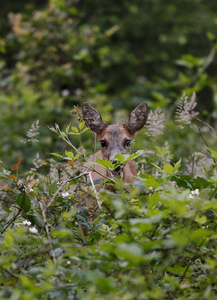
column 103, row 143
column 127, row 143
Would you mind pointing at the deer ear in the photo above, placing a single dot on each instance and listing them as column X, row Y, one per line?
column 137, row 118
column 93, row 118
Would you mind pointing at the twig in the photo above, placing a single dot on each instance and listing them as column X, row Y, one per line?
column 73, row 178
column 108, row 178
column 94, row 188
column 213, row 193
column 205, row 141
column 206, row 124
column 47, row 232
column 192, row 168
column 10, row 273
column 109, row 210
column 185, row 272
column 155, row 229
column 60, row 188
column 17, row 214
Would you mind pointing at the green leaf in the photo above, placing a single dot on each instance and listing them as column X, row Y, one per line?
column 52, row 188
column 8, row 240
column 131, row 252
column 35, row 219
column 55, row 154
column 151, row 181
column 177, row 165
column 214, row 153
column 124, row 158
column 24, row 201
column 184, row 181
column 169, row 169
column 81, row 125
column 178, row 269
column 75, row 129
column 85, row 129
column 157, row 167
column 103, row 284
column 78, row 155
column 69, row 154
column 104, row 163
column 201, row 183
column 120, row 157
column 67, row 129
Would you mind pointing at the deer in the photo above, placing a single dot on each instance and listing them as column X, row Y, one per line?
column 115, row 139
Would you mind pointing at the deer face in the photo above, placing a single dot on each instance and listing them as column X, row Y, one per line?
column 115, row 139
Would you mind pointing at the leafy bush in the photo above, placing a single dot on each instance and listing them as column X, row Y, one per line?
column 153, row 239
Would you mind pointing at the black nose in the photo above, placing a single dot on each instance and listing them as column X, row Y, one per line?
column 114, row 161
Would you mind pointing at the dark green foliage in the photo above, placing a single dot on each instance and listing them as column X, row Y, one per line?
column 114, row 55
column 153, row 239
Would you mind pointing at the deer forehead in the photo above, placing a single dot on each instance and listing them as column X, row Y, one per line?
column 115, row 132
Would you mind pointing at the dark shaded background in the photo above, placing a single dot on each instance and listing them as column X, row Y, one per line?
column 113, row 54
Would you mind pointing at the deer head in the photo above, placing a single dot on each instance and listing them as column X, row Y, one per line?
column 115, row 139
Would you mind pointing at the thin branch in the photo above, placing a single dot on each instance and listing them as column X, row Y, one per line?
column 154, row 231
column 73, row 178
column 17, row 214
column 205, row 141
column 193, row 163
column 213, row 193
column 185, row 272
column 94, row 188
column 206, row 124
column 47, row 232
column 60, row 188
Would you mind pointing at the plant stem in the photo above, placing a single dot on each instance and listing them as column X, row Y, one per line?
column 47, row 232
column 206, row 124
column 213, row 193
column 17, row 214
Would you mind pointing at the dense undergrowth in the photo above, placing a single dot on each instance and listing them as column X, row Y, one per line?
column 153, row 239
